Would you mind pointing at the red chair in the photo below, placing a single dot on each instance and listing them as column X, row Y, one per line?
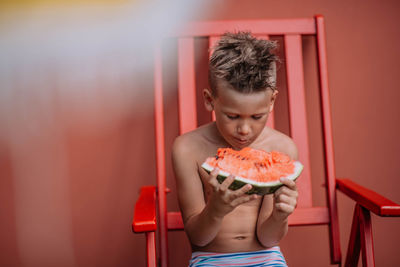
column 291, row 32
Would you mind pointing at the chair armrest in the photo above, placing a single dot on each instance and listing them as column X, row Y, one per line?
column 367, row 198
column 144, row 217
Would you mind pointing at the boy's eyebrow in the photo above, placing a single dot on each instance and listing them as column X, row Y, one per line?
column 254, row 114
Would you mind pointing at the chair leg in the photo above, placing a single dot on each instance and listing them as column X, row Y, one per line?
column 367, row 242
column 353, row 250
column 361, row 239
column 151, row 249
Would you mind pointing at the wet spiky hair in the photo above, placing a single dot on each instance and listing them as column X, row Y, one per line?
column 246, row 63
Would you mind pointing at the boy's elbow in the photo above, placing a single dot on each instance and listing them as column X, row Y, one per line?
column 199, row 243
column 270, row 244
column 197, row 240
column 270, row 239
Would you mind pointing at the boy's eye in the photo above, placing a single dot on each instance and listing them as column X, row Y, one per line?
column 257, row 117
column 232, row 117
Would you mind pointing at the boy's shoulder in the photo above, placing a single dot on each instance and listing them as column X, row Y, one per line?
column 194, row 137
column 279, row 141
column 200, row 140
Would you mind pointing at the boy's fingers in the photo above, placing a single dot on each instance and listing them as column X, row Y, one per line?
column 286, row 200
column 283, row 207
column 226, row 183
column 214, row 172
column 205, row 175
column 243, row 190
column 287, row 191
column 289, row 183
column 212, row 178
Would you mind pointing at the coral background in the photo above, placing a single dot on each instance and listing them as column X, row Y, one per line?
column 67, row 193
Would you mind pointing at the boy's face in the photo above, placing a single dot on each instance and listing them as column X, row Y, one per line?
column 240, row 118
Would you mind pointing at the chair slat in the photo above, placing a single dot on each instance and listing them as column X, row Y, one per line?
column 309, row 216
column 262, row 36
column 326, row 113
column 270, row 27
column 160, row 152
column 297, row 112
column 328, row 140
column 271, row 120
column 212, row 41
column 186, row 85
column 175, row 221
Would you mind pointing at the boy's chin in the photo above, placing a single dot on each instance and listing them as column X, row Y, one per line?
column 238, row 145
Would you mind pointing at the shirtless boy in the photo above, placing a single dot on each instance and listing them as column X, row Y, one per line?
column 225, row 226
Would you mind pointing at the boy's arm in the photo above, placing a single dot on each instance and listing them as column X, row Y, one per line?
column 201, row 225
column 202, row 220
column 272, row 224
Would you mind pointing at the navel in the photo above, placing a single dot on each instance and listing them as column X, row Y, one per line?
column 240, row 237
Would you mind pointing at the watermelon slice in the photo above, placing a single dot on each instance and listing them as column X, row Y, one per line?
column 256, row 167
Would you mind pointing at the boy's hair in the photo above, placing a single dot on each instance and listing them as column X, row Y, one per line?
column 243, row 61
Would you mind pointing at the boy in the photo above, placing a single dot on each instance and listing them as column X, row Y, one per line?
column 225, row 226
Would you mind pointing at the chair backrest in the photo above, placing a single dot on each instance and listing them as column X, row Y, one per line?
column 291, row 32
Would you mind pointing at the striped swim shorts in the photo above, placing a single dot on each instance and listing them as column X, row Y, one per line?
column 269, row 257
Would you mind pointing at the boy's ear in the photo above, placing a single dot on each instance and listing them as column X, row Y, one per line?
column 273, row 98
column 208, row 99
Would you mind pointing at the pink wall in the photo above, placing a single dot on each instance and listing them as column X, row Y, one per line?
column 69, row 181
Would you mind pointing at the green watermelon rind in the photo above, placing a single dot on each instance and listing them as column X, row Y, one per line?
column 259, row 188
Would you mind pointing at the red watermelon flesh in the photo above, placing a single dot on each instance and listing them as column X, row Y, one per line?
column 259, row 168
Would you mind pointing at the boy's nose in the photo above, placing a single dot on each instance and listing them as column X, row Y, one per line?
column 243, row 129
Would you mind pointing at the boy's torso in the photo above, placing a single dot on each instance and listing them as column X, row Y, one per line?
column 238, row 231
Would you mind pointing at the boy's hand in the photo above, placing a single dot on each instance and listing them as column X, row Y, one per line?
column 221, row 199
column 285, row 199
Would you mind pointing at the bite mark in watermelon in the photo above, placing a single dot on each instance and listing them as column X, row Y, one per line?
column 261, row 169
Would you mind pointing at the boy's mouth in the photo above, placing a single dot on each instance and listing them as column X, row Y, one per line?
column 241, row 141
